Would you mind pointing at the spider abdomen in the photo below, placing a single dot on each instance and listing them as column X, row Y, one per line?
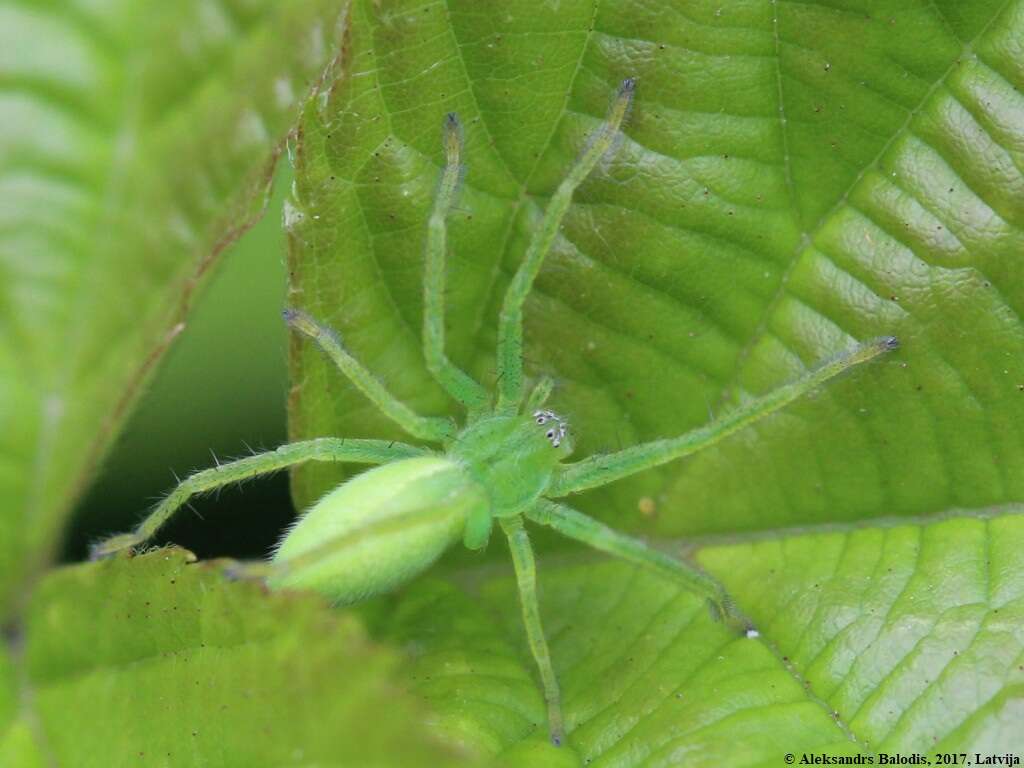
column 379, row 529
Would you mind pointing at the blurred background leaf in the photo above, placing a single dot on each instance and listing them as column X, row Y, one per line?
column 140, row 141
column 155, row 662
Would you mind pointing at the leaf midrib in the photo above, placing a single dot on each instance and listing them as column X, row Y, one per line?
column 808, row 236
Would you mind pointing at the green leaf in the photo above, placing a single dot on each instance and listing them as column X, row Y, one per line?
column 913, row 634
column 896, row 639
column 155, row 661
column 794, row 177
column 139, row 142
column 17, row 747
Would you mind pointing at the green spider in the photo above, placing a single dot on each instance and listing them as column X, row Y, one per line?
column 383, row 527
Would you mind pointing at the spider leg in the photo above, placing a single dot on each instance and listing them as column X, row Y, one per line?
column 582, row 528
column 423, row 427
column 455, row 381
column 321, row 449
column 526, row 577
column 601, row 470
column 540, row 394
column 510, row 322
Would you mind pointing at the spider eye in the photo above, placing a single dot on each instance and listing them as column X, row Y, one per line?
column 556, row 432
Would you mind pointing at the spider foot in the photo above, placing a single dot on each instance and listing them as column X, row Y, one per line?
column 115, row 545
column 723, row 609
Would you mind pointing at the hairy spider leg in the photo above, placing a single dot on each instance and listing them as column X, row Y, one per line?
column 433, row 428
column 601, row 470
column 526, row 580
column 540, row 394
column 510, row 322
column 576, row 525
column 327, row 449
column 456, row 382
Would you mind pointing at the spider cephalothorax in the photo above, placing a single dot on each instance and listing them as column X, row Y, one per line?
column 504, row 465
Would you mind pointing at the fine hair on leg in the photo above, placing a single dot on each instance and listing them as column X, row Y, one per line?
column 601, row 470
column 575, row 525
column 431, row 428
column 510, row 321
column 526, row 579
column 540, row 394
column 326, row 449
column 455, row 381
